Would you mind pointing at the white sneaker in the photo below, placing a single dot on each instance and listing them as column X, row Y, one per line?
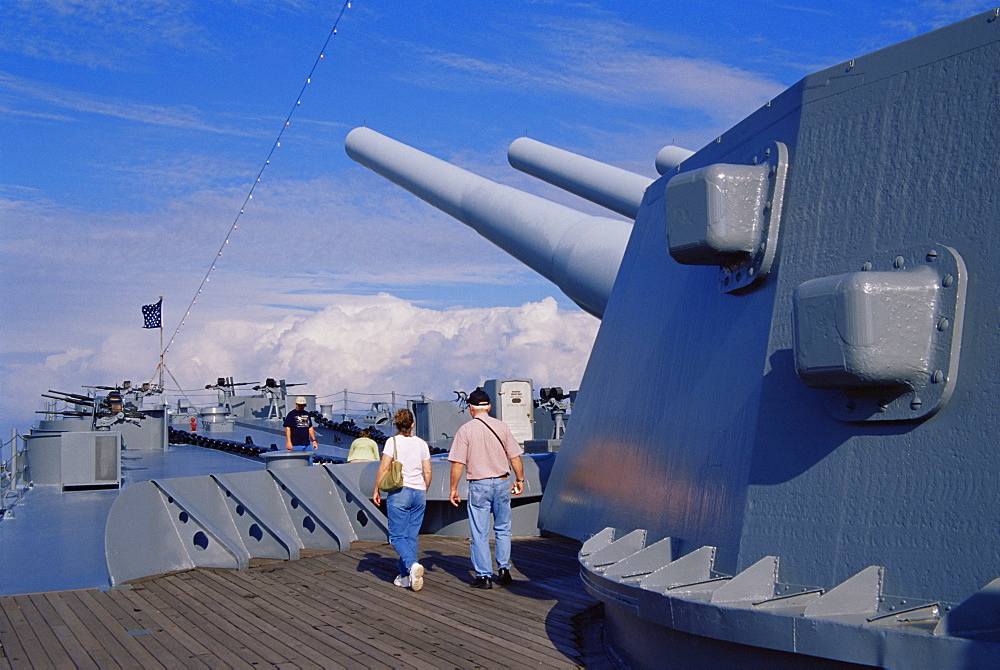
column 401, row 581
column 416, row 576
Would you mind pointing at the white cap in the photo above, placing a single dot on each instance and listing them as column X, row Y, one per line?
column 301, row 400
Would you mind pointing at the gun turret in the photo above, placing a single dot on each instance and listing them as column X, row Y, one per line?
column 577, row 252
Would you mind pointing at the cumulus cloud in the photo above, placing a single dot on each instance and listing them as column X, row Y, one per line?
column 382, row 343
column 367, row 344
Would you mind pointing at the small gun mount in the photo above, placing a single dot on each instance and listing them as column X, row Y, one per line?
column 278, row 394
column 106, row 412
column 114, row 410
column 552, row 398
column 227, row 389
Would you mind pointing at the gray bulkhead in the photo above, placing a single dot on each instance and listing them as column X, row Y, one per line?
column 691, row 421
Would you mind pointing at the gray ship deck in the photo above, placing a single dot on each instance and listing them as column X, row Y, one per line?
column 327, row 610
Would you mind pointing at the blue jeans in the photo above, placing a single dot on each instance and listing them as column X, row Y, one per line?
column 405, row 508
column 489, row 496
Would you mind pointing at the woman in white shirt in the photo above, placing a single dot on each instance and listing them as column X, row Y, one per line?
column 405, row 506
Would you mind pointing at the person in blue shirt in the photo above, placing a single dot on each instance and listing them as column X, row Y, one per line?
column 299, row 433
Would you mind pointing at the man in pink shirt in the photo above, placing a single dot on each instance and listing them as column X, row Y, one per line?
column 486, row 449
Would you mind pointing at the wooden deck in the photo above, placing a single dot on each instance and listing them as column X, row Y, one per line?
column 332, row 610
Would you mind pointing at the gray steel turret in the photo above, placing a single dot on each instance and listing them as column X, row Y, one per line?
column 784, row 449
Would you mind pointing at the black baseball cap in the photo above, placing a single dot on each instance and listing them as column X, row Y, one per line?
column 479, row 398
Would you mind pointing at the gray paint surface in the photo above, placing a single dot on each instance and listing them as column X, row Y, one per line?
column 722, row 444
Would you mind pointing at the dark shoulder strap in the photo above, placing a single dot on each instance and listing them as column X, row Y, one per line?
column 502, row 445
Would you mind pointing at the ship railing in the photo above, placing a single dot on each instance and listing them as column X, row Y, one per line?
column 13, row 482
column 352, row 404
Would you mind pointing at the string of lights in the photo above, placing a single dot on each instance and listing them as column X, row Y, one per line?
column 267, row 161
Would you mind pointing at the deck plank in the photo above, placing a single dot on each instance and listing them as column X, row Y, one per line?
column 178, row 643
column 153, row 614
column 14, row 652
column 117, row 649
column 239, row 613
column 94, row 648
column 327, row 610
column 76, row 654
column 404, row 605
column 338, row 623
column 222, row 632
column 32, row 649
column 480, row 619
column 138, row 646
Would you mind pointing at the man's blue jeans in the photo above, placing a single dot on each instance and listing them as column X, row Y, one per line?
column 489, row 496
column 405, row 509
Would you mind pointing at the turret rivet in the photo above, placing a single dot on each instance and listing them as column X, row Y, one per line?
column 943, row 325
column 867, row 267
column 948, row 281
column 932, row 255
column 937, row 377
column 916, row 403
column 899, row 262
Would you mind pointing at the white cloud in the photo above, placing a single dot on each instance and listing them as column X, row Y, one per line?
column 616, row 63
column 175, row 116
column 381, row 343
column 370, row 344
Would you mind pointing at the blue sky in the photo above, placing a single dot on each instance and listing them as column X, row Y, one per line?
column 132, row 131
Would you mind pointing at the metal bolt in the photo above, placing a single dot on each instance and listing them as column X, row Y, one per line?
column 943, row 324
column 932, row 255
column 947, row 281
column 883, row 404
column 916, row 404
column 937, row 377
column 767, row 152
column 899, row 262
column 754, row 160
column 867, row 267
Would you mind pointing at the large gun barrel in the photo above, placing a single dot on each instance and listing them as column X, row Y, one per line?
column 606, row 185
column 577, row 252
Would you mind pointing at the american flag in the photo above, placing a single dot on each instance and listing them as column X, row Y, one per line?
column 151, row 315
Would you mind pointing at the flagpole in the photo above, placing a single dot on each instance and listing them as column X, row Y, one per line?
column 161, row 344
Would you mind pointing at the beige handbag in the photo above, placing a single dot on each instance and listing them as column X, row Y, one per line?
column 393, row 479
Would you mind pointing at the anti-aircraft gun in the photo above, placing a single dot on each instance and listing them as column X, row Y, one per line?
column 277, row 394
column 105, row 412
column 807, row 476
column 553, row 399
